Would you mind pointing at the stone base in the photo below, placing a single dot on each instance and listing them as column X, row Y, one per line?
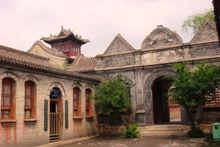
column 140, row 117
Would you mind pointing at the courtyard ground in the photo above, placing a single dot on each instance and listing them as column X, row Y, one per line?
column 117, row 141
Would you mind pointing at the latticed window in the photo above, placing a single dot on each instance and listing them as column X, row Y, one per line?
column 7, row 100
column 88, row 102
column 76, row 102
column 30, row 98
column 213, row 99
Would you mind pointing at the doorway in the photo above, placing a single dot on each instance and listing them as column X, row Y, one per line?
column 165, row 110
column 55, row 114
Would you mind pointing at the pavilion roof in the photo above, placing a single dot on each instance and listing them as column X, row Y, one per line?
column 65, row 35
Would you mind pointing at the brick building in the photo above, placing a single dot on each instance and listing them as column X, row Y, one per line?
column 45, row 92
column 42, row 101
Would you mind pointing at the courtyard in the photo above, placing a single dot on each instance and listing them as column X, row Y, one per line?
column 145, row 141
column 146, row 69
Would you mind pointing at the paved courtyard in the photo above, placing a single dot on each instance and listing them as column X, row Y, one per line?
column 143, row 142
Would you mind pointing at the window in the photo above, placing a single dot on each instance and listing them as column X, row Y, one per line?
column 7, row 100
column 88, row 103
column 30, row 98
column 76, row 102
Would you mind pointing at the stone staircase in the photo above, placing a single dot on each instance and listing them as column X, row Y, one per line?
column 164, row 130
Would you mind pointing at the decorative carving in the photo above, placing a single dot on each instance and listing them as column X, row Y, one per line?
column 141, row 106
column 118, row 61
column 206, row 34
column 161, row 37
column 205, row 51
column 118, row 45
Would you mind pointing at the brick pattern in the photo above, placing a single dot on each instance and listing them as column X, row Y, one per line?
column 32, row 133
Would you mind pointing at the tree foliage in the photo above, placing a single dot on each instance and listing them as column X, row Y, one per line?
column 191, row 87
column 196, row 21
column 112, row 97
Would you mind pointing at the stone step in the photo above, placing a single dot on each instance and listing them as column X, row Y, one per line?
column 164, row 127
column 162, row 134
column 185, row 128
column 164, row 130
column 54, row 138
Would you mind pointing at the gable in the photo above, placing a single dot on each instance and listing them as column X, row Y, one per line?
column 161, row 37
column 118, row 45
column 207, row 33
column 38, row 48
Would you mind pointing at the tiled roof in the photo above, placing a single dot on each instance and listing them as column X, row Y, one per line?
column 83, row 64
column 46, row 49
column 63, row 35
column 31, row 61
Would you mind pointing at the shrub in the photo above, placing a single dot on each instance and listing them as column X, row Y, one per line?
column 195, row 133
column 113, row 100
column 131, row 131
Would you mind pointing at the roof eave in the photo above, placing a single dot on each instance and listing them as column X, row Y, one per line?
column 71, row 37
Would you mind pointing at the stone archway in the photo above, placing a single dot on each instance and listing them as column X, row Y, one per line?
column 148, row 93
column 161, row 113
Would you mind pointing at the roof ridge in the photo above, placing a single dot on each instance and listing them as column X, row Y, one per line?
column 47, row 49
column 22, row 52
column 40, row 66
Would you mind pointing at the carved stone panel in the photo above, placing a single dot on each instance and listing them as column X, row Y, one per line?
column 118, row 61
column 118, row 45
column 161, row 37
column 205, row 51
column 207, row 33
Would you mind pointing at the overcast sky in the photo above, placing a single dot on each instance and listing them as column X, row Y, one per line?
column 22, row 22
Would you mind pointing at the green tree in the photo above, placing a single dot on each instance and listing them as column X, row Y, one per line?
column 191, row 87
column 196, row 21
column 113, row 99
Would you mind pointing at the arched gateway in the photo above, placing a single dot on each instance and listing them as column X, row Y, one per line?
column 165, row 110
column 55, row 113
column 160, row 107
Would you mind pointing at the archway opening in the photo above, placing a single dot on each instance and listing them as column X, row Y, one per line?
column 56, row 111
column 165, row 110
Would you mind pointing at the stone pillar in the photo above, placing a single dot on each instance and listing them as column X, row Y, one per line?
column 149, row 107
column 140, row 112
column 83, row 107
column 19, row 105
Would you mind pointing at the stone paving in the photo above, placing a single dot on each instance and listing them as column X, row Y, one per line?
column 143, row 142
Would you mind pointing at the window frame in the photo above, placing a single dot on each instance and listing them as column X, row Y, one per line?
column 9, row 82
column 88, row 103
column 77, row 113
column 31, row 85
